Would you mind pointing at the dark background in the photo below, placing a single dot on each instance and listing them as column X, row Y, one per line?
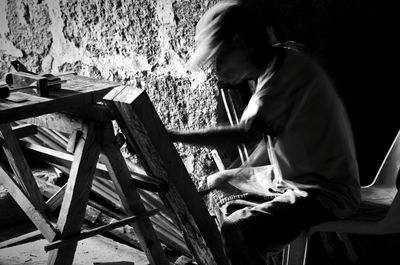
column 356, row 44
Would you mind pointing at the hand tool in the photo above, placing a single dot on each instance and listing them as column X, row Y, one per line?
column 6, row 90
column 42, row 84
column 25, row 79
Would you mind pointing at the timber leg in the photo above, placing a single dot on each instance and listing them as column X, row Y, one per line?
column 38, row 219
column 20, row 167
column 131, row 199
column 77, row 194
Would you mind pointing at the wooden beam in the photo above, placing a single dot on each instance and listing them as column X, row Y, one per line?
column 166, row 230
column 20, row 166
column 21, row 239
column 38, row 219
column 94, row 112
column 146, row 134
column 56, row 198
column 65, row 159
column 24, row 130
column 97, row 230
column 77, row 91
column 77, row 194
column 131, row 200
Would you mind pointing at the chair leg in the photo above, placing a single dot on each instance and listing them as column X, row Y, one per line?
column 296, row 252
column 350, row 251
column 285, row 254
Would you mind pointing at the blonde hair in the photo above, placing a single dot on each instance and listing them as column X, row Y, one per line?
column 206, row 30
column 224, row 22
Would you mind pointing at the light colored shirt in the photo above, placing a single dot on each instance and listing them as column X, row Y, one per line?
column 314, row 144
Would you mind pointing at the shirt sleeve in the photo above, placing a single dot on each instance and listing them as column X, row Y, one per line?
column 280, row 97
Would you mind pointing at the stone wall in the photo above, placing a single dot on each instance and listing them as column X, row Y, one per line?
column 142, row 43
column 146, row 43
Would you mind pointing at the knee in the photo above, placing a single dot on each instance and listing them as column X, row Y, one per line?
column 232, row 234
column 229, row 229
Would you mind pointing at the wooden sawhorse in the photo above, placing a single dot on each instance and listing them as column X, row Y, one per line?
column 96, row 137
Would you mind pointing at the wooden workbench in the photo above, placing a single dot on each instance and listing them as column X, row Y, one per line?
column 78, row 96
column 145, row 135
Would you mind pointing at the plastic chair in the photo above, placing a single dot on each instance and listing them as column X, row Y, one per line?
column 379, row 212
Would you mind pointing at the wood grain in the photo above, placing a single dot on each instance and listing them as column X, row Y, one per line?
column 77, row 194
column 20, row 166
column 38, row 218
column 131, row 200
column 146, row 134
column 77, row 91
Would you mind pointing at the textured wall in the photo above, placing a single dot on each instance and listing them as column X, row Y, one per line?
column 143, row 43
column 146, row 43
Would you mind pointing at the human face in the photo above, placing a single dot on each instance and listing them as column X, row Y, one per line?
column 234, row 65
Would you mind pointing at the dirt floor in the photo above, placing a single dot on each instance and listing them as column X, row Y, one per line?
column 97, row 250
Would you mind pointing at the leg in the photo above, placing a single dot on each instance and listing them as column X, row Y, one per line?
column 21, row 167
column 76, row 195
column 26, row 204
column 297, row 249
column 131, row 199
column 250, row 232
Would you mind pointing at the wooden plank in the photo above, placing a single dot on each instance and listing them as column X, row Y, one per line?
column 56, row 199
column 146, row 134
column 98, row 230
column 9, row 235
column 94, row 112
column 166, row 230
column 77, row 91
column 83, row 84
column 20, row 166
column 38, row 219
column 77, row 194
column 21, row 239
column 61, row 158
column 56, row 136
column 24, row 130
column 131, row 200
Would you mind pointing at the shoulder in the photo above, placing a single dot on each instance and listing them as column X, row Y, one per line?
column 292, row 69
column 302, row 63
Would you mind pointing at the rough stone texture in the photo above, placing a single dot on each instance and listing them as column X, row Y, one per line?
column 142, row 43
column 29, row 22
column 146, row 43
column 186, row 15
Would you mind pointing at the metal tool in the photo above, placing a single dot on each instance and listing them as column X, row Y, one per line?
column 43, row 83
column 6, row 90
column 24, row 79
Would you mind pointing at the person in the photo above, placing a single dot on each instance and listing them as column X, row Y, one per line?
column 308, row 172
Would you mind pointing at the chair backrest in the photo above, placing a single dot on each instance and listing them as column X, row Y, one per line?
column 389, row 170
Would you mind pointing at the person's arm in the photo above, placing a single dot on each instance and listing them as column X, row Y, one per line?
column 223, row 136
